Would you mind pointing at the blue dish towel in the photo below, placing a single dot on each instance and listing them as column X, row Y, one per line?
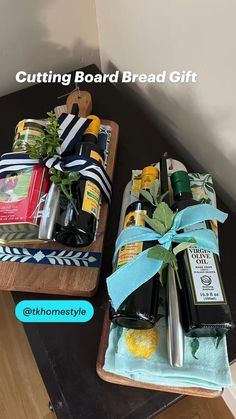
column 210, row 370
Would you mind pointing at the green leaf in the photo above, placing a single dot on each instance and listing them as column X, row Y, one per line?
column 66, row 182
column 154, row 189
column 163, row 273
column 146, row 195
column 194, row 347
column 73, row 176
column 218, row 340
column 164, row 195
column 183, row 246
column 54, row 179
column 164, row 215
column 155, row 224
column 160, row 253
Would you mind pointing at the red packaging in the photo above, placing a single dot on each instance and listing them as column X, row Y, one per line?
column 22, row 197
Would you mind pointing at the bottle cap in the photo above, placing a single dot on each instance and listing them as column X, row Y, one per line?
column 149, row 174
column 94, row 126
column 180, row 182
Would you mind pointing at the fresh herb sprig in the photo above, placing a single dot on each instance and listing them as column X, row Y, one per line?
column 161, row 221
column 46, row 147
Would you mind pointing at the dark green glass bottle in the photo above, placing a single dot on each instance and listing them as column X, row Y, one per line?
column 205, row 311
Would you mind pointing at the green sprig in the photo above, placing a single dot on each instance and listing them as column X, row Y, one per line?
column 161, row 222
column 45, row 147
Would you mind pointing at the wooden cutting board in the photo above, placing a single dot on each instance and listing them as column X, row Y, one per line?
column 56, row 279
column 118, row 379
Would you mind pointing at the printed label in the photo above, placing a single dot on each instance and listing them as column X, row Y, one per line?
column 147, row 182
column 20, row 126
column 92, row 193
column 129, row 251
column 135, row 218
column 205, row 278
column 136, row 186
column 91, row 198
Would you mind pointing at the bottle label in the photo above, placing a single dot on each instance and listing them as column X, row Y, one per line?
column 205, row 277
column 92, row 193
column 147, row 182
column 129, row 251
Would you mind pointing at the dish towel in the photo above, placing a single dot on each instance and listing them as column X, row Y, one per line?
column 128, row 351
column 142, row 355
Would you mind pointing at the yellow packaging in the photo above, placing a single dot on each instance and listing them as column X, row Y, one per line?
column 136, row 182
column 92, row 193
column 130, row 250
column 149, row 175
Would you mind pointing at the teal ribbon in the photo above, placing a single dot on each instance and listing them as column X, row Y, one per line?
column 141, row 268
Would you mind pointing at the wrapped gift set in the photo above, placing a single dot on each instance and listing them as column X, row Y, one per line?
column 55, row 191
column 168, row 307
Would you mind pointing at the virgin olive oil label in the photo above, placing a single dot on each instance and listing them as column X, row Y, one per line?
column 135, row 218
column 129, row 251
column 92, row 193
column 91, row 198
column 204, row 275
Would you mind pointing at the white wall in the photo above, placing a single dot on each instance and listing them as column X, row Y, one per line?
column 39, row 35
column 155, row 35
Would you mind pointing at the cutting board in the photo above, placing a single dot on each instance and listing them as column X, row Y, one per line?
column 57, row 279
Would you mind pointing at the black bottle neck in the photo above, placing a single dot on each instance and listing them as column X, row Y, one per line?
column 183, row 196
column 89, row 138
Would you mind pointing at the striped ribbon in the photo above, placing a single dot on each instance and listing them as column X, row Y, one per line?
column 70, row 130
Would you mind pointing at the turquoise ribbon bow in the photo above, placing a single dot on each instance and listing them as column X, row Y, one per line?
column 141, row 268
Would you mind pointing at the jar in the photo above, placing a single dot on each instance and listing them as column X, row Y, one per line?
column 27, row 132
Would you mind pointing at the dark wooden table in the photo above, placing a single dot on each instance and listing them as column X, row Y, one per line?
column 66, row 353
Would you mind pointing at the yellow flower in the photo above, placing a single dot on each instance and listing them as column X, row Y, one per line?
column 142, row 343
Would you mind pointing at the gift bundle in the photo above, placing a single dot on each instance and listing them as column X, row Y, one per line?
column 168, row 306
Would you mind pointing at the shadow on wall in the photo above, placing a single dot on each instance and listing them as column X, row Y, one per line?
column 25, row 41
column 194, row 134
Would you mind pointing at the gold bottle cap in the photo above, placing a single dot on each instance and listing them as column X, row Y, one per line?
column 94, row 126
column 149, row 174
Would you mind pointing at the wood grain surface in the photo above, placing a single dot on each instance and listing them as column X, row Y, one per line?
column 118, row 379
column 22, row 392
column 84, row 100
column 62, row 280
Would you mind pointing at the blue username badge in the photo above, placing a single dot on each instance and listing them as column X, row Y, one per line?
column 54, row 311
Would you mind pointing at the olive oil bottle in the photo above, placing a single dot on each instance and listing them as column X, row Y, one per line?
column 139, row 310
column 77, row 223
column 205, row 311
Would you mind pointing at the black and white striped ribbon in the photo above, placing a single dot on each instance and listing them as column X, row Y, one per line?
column 70, row 131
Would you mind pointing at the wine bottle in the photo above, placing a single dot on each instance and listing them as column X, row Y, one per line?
column 205, row 311
column 139, row 310
column 77, row 221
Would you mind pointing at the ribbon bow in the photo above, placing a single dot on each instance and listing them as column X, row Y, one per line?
column 141, row 268
column 70, row 131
